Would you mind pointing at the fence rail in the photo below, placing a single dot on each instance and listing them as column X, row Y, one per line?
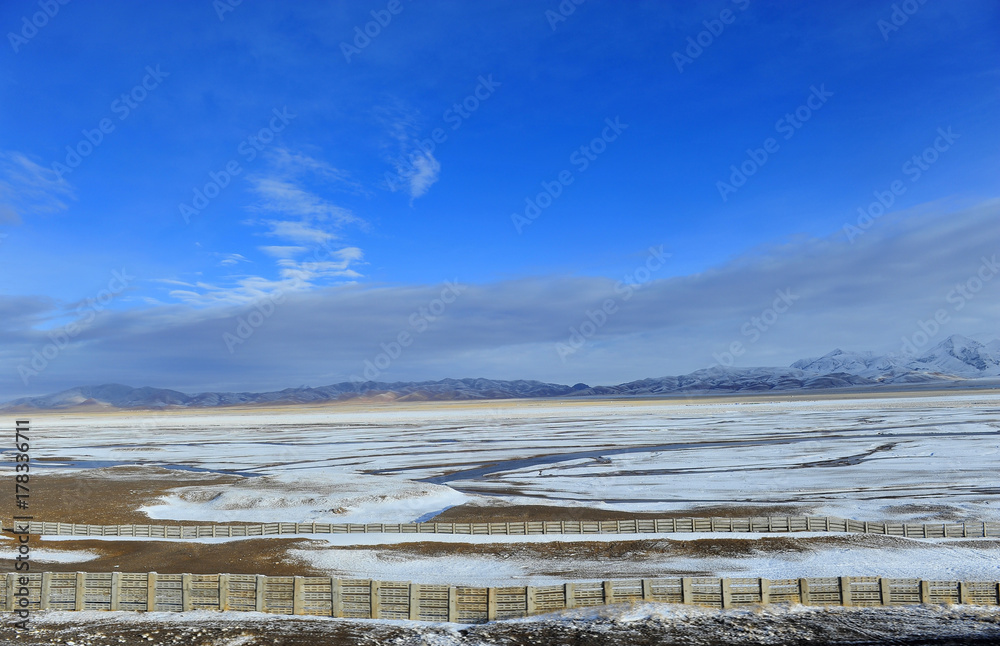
column 368, row 599
column 773, row 524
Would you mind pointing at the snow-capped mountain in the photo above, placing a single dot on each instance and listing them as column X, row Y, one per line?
column 956, row 359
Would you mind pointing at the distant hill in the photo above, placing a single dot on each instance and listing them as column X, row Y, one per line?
column 957, row 359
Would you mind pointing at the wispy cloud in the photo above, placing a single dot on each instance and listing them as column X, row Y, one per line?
column 416, row 168
column 423, row 174
column 231, row 259
column 293, row 208
column 27, row 187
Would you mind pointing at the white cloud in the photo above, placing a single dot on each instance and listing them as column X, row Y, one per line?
column 294, row 212
column 282, row 195
column 416, row 169
column 27, row 187
column 231, row 259
column 423, row 175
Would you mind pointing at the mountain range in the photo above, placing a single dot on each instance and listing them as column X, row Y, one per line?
column 955, row 360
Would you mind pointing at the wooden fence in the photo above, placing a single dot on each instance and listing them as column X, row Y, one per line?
column 627, row 526
column 366, row 599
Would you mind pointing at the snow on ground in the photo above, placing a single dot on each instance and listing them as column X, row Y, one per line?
column 910, row 458
column 979, row 561
column 43, row 555
column 350, row 497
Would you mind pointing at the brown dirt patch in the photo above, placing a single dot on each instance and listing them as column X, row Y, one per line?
column 618, row 550
column 520, row 513
column 251, row 556
column 110, row 496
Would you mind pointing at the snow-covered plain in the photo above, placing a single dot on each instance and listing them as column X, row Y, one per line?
column 894, row 458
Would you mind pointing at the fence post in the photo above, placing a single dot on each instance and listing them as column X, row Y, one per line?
column 186, row 592
column 765, row 591
column 804, row 592
column 415, row 601
column 963, row 593
column 727, row 594
column 452, row 603
column 529, row 600
column 647, row 590
column 298, row 595
column 116, row 589
column 336, row 599
column 845, row 591
column 223, row 592
column 259, row 593
column 150, row 590
column 609, row 592
column 10, row 590
column 885, row 592
column 569, row 595
column 81, row 588
column 376, row 604
column 491, row 604
column 925, row 592
column 43, row 601
column 687, row 590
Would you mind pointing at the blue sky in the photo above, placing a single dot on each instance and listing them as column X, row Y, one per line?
column 356, row 188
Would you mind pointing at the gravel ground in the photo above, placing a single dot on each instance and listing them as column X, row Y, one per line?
column 639, row 626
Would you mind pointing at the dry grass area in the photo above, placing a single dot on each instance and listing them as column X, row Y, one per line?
column 518, row 513
column 271, row 556
column 624, row 549
column 249, row 556
column 110, row 496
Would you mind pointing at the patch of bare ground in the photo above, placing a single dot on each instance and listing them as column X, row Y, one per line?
column 470, row 513
column 247, row 556
column 929, row 513
column 617, row 550
column 111, row 496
